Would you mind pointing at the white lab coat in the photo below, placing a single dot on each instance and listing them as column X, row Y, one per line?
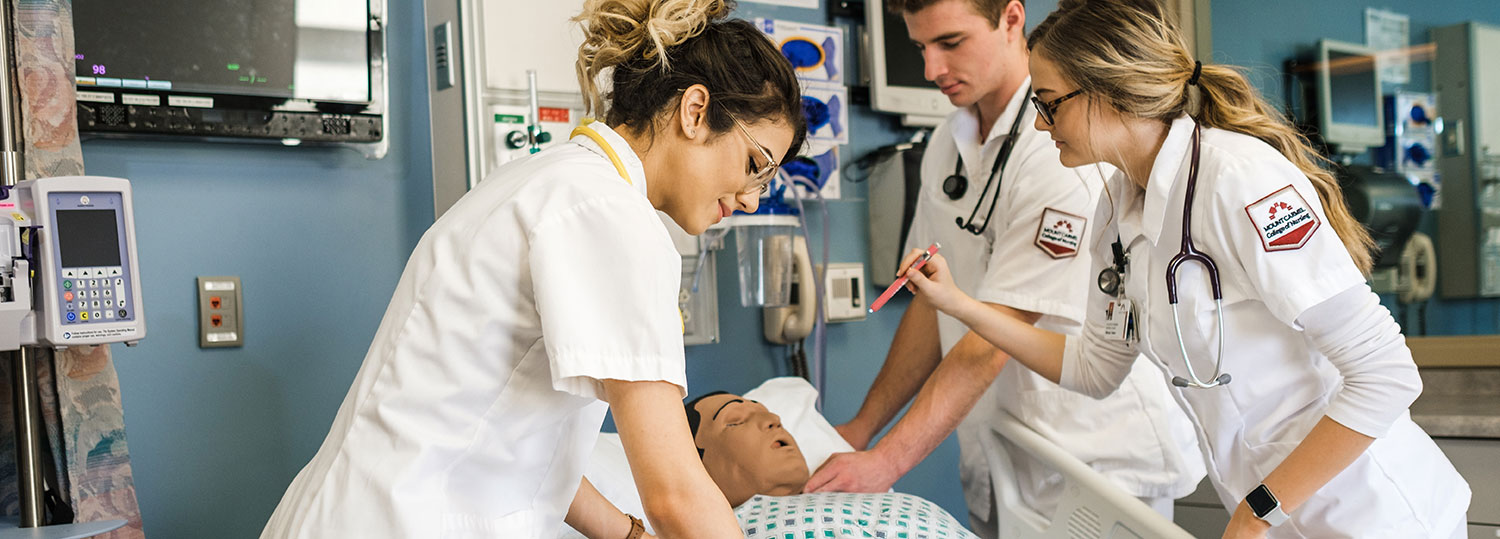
column 477, row 404
column 1271, row 271
column 1138, row 438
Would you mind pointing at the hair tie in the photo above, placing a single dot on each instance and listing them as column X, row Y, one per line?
column 1197, row 71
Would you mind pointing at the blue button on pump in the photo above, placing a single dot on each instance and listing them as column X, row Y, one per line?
column 72, row 317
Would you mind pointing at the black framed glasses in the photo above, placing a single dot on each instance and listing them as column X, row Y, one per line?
column 1045, row 109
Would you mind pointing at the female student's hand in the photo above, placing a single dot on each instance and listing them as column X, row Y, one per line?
column 1244, row 525
column 934, row 282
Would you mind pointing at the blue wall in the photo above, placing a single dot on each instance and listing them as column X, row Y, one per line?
column 1242, row 35
column 319, row 237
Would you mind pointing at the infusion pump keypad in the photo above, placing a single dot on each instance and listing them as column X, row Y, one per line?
column 94, row 295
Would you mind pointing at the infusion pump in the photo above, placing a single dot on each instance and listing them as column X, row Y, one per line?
column 68, row 269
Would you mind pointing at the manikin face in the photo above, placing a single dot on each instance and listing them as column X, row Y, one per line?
column 746, row 451
column 961, row 50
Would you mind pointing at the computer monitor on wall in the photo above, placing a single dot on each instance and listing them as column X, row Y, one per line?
column 1351, row 117
column 897, row 83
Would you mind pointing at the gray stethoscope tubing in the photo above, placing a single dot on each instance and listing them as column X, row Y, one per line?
column 1189, row 254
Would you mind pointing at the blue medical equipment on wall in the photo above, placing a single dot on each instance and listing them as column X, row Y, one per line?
column 822, row 114
column 817, row 168
column 807, row 55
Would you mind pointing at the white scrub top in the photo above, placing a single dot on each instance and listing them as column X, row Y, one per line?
column 477, row 404
column 1259, row 218
column 1032, row 258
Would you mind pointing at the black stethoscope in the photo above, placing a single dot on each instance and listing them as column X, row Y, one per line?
column 1111, row 278
column 957, row 184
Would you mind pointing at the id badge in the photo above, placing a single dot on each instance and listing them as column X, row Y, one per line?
column 1119, row 319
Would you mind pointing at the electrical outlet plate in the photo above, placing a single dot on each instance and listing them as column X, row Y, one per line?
column 844, row 292
column 221, row 312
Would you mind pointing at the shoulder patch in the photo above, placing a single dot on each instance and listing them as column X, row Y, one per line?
column 1060, row 233
column 1283, row 220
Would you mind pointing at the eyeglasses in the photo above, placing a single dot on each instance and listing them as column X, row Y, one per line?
column 1047, row 108
column 760, row 179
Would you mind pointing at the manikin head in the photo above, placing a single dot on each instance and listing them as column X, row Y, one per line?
column 744, row 448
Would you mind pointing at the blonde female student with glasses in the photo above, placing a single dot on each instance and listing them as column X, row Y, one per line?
column 1228, row 259
column 548, row 295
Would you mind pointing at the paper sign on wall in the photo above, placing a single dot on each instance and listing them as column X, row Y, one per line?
column 1390, row 34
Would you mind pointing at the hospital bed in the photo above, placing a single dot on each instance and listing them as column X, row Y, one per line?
column 1089, row 508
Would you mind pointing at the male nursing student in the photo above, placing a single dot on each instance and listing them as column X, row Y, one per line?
column 1011, row 220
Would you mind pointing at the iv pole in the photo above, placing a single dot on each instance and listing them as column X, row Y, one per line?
column 23, row 376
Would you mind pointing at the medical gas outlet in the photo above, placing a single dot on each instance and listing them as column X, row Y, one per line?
column 221, row 312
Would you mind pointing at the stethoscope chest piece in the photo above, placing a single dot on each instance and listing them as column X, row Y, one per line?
column 955, row 185
column 1109, row 281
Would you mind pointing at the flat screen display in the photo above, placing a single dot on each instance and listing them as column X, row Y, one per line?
column 88, row 238
column 1353, row 97
column 301, row 49
column 903, row 61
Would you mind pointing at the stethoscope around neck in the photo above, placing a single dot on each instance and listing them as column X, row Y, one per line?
column 1188, row 253
column 957, row 184
column 1110, row 279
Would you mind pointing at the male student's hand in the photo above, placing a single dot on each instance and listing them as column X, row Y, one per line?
column 861, row 471
column 854, row 435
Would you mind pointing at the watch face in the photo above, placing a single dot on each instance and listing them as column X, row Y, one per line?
column 1261, row 501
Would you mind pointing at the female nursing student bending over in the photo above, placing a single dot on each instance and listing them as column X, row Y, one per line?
column 548, row 294
column 1310, row 436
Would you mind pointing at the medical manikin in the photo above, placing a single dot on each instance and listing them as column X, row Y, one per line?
column 760, row 468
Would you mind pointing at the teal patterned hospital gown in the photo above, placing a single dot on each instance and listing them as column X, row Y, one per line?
column 841, row 515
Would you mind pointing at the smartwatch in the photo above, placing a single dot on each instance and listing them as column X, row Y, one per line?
column 1265, row 506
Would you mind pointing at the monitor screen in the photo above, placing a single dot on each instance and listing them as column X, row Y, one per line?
column 903, row 61
column 1354, row 98
column 88, row 238
column 301, row 49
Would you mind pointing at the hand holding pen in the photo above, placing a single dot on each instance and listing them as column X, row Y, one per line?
column 928, row 275
column 890, row 291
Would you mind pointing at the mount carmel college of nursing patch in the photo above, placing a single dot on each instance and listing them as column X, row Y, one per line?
column 1283, row 220
column 1060, row 233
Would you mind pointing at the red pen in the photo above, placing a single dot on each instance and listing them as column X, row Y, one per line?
column 889, row 292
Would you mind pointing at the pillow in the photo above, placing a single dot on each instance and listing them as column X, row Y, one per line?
column 790, row 397
column 794, row 400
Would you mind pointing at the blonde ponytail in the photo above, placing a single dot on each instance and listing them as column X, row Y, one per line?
column 620, row 31
column 1230, row 103
column 1137, row 61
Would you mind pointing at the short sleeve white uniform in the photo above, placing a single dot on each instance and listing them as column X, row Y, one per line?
column 1259, row 218
column 477, row 403
column 1136, row 437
